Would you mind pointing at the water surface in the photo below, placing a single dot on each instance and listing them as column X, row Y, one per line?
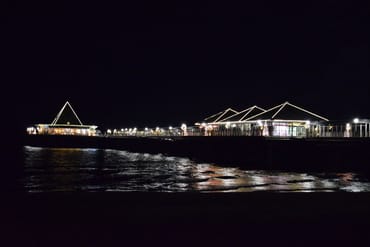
column 74, row 169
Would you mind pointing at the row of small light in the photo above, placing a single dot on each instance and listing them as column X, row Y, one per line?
column 146, row 130
column 205, row 125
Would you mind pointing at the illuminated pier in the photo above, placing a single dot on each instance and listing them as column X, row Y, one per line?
column 285, row 120
column 282, row 121
column 285, row 137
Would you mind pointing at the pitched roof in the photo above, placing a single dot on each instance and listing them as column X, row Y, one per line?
column 287, row 111
column 67, row 116
column 251, row 111
column 220, row 116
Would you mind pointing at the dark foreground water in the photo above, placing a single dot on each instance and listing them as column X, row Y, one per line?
column 60, row 169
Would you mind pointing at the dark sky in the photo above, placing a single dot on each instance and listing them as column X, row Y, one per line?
column 149, row 63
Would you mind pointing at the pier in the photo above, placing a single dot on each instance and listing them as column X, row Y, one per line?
column 353, row 129
column 284, row 137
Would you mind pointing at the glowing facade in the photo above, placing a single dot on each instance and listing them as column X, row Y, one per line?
column 284, row 120
column 65, row 123
column 287, row 119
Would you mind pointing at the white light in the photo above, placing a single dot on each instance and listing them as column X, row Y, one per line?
column 183, row 126
column 356, row 120
column 109, row 131
column 259, row 122
column 146, row 129
column 209, row 127
column 170, row 128
column 307, row 124
column 233, row 125
column 348, row 126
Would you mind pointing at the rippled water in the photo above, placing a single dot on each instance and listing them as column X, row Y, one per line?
column 59, row 169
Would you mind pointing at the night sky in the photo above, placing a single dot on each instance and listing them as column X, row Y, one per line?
column 149, row 63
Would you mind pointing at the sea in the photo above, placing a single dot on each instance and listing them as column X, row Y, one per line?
column 100, row 170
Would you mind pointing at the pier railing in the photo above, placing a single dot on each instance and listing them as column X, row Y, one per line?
column 359, row 130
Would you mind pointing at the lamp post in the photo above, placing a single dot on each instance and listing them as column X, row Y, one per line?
column 184, row 129
column 356, row 121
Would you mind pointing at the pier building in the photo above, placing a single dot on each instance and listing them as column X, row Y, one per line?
column 283, row 120
column 66, row 122
column 287, row 119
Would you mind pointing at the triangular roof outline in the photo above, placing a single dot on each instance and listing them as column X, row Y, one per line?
column 274, row 112
column 240, row 116
column 220, row 115
column 57, row 119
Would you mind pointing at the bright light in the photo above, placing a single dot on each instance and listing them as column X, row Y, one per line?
column 30, row 130
column 259, row 123
column 209, row 127
column 307, row 124
column 109, row 131
column 348, row 126
column 356, row 120
column 170, row 128
column 183, row 128
column 146, row 129
column 233, row 125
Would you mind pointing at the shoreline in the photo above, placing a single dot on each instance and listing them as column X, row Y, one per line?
column 319, row 154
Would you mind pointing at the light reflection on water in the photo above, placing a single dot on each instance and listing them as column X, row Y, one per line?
column 57, row 169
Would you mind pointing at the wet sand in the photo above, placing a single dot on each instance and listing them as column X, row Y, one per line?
column 186, row 219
